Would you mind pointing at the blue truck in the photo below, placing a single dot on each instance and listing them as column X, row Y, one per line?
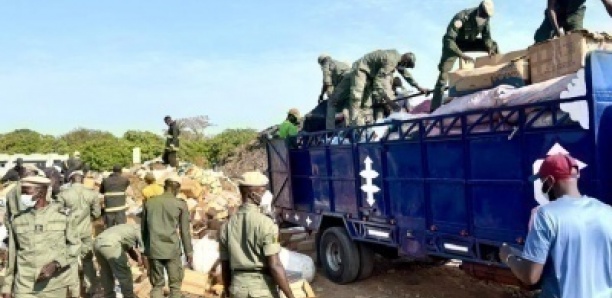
column 456, row 194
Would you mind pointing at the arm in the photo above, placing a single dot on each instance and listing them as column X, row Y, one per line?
column 529, row 266
column 224, row 257
column 488, row 40
column 9, row 275
column 144, row 231
column 175, row 135
column 184, row 229
column 608, row 5
column 327, row 81
column 96, row 209
column 451, row 35
column 552, row 15
column 278, row 273
column 226, row 276
column 102, row 191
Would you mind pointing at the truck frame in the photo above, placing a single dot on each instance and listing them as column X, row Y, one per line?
column 453, row 194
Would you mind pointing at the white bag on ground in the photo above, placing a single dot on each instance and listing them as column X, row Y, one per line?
column 297, row 262
column 205, row 254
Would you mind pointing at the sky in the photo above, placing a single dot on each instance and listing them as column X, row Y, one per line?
column 119, row 65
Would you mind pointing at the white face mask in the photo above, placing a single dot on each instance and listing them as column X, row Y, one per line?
column 27, row 201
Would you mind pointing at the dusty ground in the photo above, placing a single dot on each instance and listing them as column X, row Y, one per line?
column 415, row 280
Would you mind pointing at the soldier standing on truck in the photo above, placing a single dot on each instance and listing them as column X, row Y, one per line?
column 569, row 246
column 113, row 188
column 468, row 31
column 172, row 143
column 564, row 14
column 371, row 76
column 333, row 72
column 249, row 248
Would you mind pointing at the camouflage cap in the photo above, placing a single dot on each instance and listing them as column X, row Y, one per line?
column 253, row 179
column 35, row 181
column 322, row 58
column 488, row 7
column 295, row 112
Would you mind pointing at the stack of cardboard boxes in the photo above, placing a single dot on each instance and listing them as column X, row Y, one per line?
column 540, row 62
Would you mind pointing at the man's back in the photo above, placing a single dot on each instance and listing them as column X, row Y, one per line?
column 84, row 204
column 113, row 188
column 576, row 235
column 162, row 216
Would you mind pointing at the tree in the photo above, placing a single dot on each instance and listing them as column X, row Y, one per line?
column 192, row 128
column 223, row 145
column 150, row 144
column 25, row 141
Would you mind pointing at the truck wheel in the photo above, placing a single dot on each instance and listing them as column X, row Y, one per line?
column 366, row 257
column 339, row 256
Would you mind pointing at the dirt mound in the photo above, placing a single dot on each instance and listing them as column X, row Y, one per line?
column 249, row 157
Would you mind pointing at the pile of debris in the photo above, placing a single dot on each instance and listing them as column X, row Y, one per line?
column 249, row 157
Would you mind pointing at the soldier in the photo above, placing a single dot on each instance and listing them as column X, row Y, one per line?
column 290, row 126
column 462, row 35
column 110, row 248
column 563, row 14
column 333, row 72
column 372, row 76
column 113, row 188
column 42, row 246
column 249, row 248
column 74, row 163
column 172, row 143
column 85, row 207
column 160, row 218
column 15, row 173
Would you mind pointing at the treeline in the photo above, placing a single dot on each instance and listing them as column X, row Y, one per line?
column 101, row 150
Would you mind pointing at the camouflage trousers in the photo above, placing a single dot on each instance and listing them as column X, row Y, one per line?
column 113, row 263
column 252, row 285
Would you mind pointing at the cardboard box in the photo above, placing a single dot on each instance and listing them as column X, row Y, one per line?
column 565, row 55
column 500, row 59
column 463, row 82
column 195, row 283
column 300, row 289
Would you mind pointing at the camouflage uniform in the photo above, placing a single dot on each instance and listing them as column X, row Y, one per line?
column 246, row 241
column 462, row 35
column 333, row 72
column 37, row 238
column 85, row 207
column 570, row 17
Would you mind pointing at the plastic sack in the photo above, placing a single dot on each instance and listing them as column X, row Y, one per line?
column 297, row 262
column 205, row 254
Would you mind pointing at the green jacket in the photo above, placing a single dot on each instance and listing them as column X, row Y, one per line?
column 37, row 238
column 333, row 71
column 85, row 206
column 287, row 129
column 248, row 238
column 126, row 235
column 464, row 27
column 161, row 217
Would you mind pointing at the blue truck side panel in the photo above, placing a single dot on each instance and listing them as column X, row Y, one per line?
column 456, row 195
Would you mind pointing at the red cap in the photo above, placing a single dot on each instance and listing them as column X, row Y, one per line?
column 559, row 166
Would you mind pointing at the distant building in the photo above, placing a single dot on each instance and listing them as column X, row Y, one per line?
column 41, row 161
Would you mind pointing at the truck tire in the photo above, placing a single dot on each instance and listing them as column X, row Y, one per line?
column 339, row 256
column 366, row 257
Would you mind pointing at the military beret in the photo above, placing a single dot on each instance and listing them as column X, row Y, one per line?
column 253, row 179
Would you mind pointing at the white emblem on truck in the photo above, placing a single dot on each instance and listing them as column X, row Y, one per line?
column 369, row 175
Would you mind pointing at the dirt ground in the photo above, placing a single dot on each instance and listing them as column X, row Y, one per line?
column 415, row 280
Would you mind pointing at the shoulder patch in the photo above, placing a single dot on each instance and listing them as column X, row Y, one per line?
column 458, row 24
column 65, row 211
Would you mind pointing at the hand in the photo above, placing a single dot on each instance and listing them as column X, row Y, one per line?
column 467, row 58
column 6, row 295
column 321, row 98
column 559, row 33
column 492, row 52
column 504, row 251
column 190, row 262
column 48, row 271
